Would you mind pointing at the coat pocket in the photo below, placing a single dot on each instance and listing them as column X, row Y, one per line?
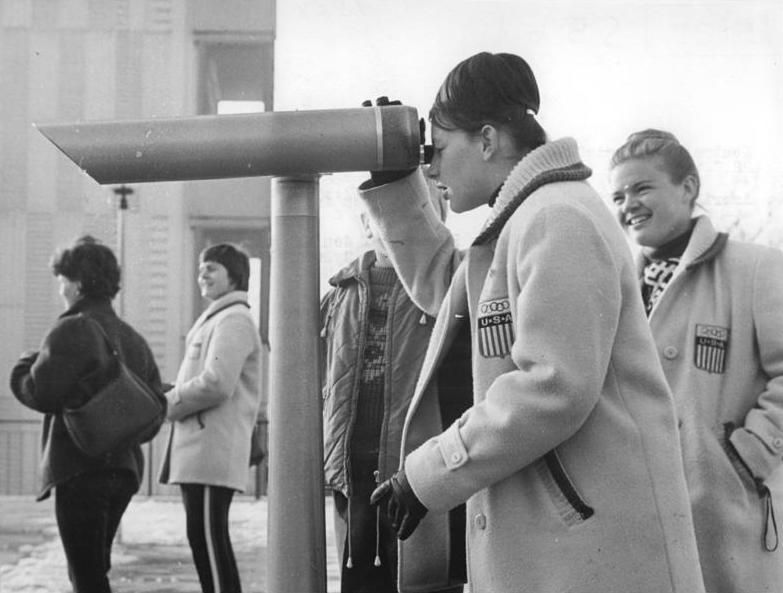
column 570, row 505
column 740, row 468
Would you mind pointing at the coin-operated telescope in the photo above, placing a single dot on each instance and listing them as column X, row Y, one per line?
column 221, row 146
column 295, row 147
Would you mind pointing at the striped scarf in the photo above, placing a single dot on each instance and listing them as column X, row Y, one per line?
column 657, row 274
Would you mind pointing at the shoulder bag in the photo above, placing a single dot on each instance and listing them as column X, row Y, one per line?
column 123, row 413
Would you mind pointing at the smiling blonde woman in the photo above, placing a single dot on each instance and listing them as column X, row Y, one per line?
column 715, row 307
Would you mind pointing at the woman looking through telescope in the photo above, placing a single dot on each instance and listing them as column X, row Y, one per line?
column 566, row 450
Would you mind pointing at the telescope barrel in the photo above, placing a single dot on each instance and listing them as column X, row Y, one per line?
column 280, row 143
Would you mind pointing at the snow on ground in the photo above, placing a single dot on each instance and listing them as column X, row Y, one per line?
column 148, row 521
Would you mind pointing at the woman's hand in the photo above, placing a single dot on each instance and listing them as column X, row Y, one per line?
column 384, row 177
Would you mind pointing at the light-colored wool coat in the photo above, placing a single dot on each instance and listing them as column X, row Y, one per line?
column 216, row 398
column 718, row 326
column 569, row 459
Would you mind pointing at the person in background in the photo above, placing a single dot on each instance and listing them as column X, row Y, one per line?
column 213, row 407
column 373, row 344
column 90, row 493
column 567, row 454
column 715, row 307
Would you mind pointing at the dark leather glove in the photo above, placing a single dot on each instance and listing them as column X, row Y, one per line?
column 403, row 508
column 384, row 177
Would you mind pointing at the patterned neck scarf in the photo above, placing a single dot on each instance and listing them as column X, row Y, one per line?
column 660, row 265
column 656, row 276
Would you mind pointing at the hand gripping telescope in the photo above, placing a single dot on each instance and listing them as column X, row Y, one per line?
column 278, row 143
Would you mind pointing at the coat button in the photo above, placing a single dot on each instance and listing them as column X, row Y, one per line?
column 456, row 457
column 777, row 443
column 480, row 521
column 670, row 352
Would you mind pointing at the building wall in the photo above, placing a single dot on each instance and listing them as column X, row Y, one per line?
column 71, row 60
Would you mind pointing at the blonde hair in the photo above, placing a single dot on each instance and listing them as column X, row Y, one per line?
column 651, row 143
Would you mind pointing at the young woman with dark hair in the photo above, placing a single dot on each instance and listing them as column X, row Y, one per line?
column 567, row 452
column 213, row 406
column 91, row 493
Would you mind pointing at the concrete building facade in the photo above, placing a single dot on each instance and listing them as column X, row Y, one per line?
column 82, row 60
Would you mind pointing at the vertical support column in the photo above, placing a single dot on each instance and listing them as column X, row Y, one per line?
column 296, row 526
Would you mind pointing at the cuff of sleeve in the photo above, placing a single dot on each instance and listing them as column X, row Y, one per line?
column 430, row 471
column 411, row 188
column 173, row 397
column 755, row 453
column 452, row 449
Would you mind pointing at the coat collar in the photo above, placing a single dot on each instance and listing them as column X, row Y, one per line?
column 101, row 306
column 705, row 244
column 357, row 268
column 552, row 162
column 228, row 299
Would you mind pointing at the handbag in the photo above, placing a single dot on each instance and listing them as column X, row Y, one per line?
column 257, row 444
column 122, row 413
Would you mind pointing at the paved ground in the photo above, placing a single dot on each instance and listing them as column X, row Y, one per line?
column 150, row 554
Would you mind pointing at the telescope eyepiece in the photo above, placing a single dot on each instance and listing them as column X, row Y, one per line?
column 425, row 154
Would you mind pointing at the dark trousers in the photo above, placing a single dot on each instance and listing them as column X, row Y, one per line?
column 363, row 576
column 88, row 509
column 360, row 545
column 206, row 512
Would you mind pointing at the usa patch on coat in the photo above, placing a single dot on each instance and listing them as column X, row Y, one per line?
column 495, row 328
column 711, row 348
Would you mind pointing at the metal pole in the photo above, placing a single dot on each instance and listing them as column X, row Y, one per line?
column 122, row 194
column 296, row 525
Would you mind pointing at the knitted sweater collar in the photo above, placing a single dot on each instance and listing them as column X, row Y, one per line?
column 554, row 161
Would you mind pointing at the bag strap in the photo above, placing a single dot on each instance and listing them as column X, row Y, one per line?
column 224, row 307
column 115, row 352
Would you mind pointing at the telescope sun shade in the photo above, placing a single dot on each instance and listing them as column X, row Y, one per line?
column 278, row 143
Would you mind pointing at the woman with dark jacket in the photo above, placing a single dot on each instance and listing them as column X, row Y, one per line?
column 91, row 493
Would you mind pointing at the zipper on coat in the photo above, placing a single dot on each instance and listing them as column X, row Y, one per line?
column 377, row 561
column 364, row 293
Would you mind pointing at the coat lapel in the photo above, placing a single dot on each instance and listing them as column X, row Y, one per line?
column 452, row 310
column 478, row 263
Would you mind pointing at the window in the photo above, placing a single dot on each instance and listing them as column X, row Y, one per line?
column 234, row 74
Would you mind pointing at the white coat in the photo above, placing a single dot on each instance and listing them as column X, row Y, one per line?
column 216, row 398
column 569, row 458
column 718, row 326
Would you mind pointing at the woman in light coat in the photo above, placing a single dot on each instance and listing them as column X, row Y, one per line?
column 213, row 407
column 568, row 458
column 715, row 307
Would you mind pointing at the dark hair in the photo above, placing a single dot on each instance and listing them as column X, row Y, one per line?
column 657, row 143
column 234, row 259
column 90, row 263
column 498, row 89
